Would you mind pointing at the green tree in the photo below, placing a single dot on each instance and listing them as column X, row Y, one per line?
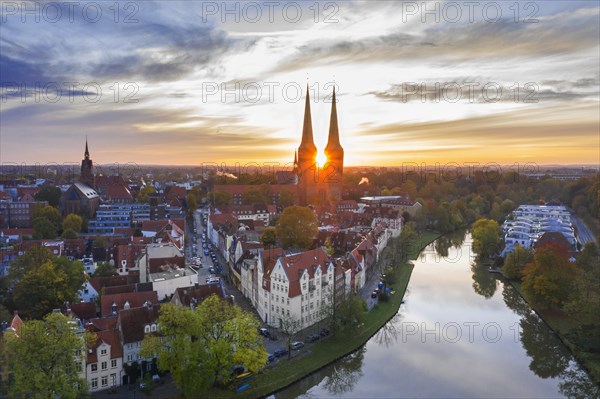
column 69, row 234
column 200, row 347
column 297, row 227
column 73, row 222
column 43, row 229
column 547, row 281
column 515, row 262
column 51, row 194
column 268, row 237
column 44, row 357
column 42, row 282
column 584, row 300
column 486, row 238
column 408, row 240
column 104, row 269
column 50, row 213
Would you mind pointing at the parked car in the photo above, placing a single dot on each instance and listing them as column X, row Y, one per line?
column 313, row 337
column 297, row 345
column 264, row 332
column 270, row 358
column 280, row 352
column 211, row 270
column 324, row 332
column 374, row 294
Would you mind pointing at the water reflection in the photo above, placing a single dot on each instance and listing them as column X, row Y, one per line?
column 388, row 334
column 447, row 286
column 346, row 373
column 447, row 241
column 484, row 282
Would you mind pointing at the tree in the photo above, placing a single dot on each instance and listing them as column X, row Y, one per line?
column 73, row 222
column 69, row 234
column 51, row 194
column 297, row 227
column 286, row 198
column 144, row 194
column 547, row 281
column 254, row 196
column 104, row 269
column 408, row 240
column 221, row 197
column 584, row 300
column 486, row 238
column 268, row 237
column 200, row 347
column 515, row 262
column 192, row 202
column 43, row 229
column 42, row 282
column 44, row 357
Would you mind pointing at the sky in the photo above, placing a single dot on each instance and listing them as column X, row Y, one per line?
column 190, row 83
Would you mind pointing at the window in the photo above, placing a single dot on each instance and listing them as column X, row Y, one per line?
column 147, row 329
column 153, row 328
column 113, row 363
column 288, row 301
column 94, row 383
column 103, row 352
column 104, row 365
column 129, row 358
column 94, row 367
column 105, row 381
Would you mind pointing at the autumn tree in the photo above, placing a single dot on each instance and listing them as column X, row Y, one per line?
column 44, row 359
column 200, row 347
column 515, row 262
column 547, row 281
column 191, row 202
column 104, row 269
column 486, row 238
column 297, row 227
column 144, row 194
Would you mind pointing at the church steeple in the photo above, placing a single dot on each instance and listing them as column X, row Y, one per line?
column 307, row 133
column 86, row 154
column 333, row 142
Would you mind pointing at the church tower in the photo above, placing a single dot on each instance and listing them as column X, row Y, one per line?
column 87, row 176
column 307, row 157
column 334, row 168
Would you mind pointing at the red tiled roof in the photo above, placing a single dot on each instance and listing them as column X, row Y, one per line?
column 110, row 281
column 16, row 323
column 117, row 193
column 185, row 295
column 19, row 232
column 83, row 310
column 110, row 337
column 102, row 323
column 295, row 265
column 132, row 321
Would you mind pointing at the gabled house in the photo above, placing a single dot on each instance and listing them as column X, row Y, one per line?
column 104, row 361
column 133, row 325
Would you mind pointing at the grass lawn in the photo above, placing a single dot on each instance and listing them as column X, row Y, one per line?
column 324, row 352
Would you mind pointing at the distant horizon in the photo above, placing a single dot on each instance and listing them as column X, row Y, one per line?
column 188, row 86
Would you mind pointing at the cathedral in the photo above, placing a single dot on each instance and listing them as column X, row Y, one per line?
column 319, row 184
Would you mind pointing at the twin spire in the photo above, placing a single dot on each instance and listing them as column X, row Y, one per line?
column 333, row 142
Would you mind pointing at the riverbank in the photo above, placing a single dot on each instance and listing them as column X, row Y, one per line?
column 562, row 325
column 282, row 375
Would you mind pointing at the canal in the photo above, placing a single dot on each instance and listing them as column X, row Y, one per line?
column 461, row 333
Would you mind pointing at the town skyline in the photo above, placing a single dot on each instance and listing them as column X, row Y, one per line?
column 212, row 89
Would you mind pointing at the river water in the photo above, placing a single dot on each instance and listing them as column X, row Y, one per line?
column 461, row 333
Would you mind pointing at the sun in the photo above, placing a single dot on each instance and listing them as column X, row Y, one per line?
column 321, row 159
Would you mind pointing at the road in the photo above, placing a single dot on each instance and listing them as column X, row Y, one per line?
column 584, row 234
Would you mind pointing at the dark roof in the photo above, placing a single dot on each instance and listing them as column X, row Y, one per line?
column 185, row 295
column 135, row 299
column 131, row 322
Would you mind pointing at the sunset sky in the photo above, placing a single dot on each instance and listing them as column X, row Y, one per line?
column 175, row 58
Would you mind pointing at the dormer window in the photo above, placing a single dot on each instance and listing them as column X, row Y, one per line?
column 146, row 329
column 153, row 328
